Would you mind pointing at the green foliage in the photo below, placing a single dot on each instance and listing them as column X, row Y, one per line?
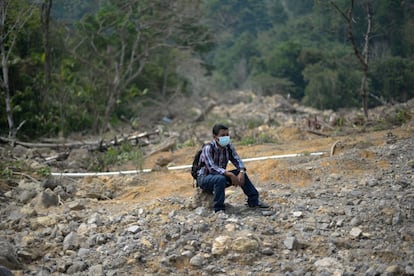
column 306, row 153
column 73, row 10
column 100, row 61
column 314, row 32
column 328, row 22
column 6, row 173
column 110, row 57
column 233, row 61
column 159, row 79
column 115, row 157
column 266, row 84
column 403, row 116
column 323, row 89
column 250, row 16
column 390, row 17
column 260, row 138
column 43, row 172
column 397, row 117
column 253, row 123
column 332, row 81
column 22, row 56
column 393, row 78
column 247, row 140
column 276, row 12
column 133, row 47
column 299, row 7
column 9, row 169
column 283, row 62
column 331, row 86
column 266, row 138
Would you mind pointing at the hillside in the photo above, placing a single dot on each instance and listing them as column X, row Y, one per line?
column 346, row 212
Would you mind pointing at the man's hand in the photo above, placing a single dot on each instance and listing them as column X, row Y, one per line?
column 234, row 179
column 241, row 177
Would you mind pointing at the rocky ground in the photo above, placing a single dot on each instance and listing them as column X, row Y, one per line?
column 347, row 212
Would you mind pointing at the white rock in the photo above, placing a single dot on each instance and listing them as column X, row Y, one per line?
column 297, row 214
column 329, row 264
column 230, row 227
column 71, row 241
column 244, row 244
column 84, row 229
column 95, row 218
column 355, row 232
column 291, row 243
column 220, row 245
column 133, row 229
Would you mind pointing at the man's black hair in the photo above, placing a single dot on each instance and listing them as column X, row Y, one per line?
column 218, row 127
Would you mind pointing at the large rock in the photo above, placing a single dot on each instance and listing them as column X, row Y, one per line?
column 43, row 222
column 71, row 241
column 26, row 196
column 221, row 245
column 78, row 159
column 46, row 199
column 329, row 265
column 244, row 244
column 202, row 199
column 8, row 257
column 292, row 243
column 20, row 152
column 50, row 183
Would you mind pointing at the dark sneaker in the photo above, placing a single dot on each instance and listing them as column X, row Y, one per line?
column 260, row 205
column 221, row 214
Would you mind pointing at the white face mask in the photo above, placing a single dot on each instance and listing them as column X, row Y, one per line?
column 224, row 141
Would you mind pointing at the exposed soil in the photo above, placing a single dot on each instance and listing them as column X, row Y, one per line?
column 148, row 187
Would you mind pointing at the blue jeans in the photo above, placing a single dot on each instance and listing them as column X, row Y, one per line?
column 217, row 184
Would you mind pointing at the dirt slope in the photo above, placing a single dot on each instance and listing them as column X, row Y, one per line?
column 148, row 187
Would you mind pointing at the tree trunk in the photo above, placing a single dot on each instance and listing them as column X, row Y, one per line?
column 365, row 55
column 110, row 107
column 45, row 19
column 6, row 92
column 364, row 93
column 361, row 56
column 5, row 71
column 116, row 88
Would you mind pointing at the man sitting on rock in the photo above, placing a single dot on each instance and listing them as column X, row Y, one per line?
column 213, row 176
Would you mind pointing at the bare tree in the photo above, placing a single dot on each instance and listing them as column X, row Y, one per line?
column 46, row 7
column 9, row 29
column 363, row 55
column 5, row 88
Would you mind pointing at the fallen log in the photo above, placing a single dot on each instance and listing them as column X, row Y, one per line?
column 27, row 176
column 317, row 133
column 69, row 145
column 58, row 157
column 91, row 145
